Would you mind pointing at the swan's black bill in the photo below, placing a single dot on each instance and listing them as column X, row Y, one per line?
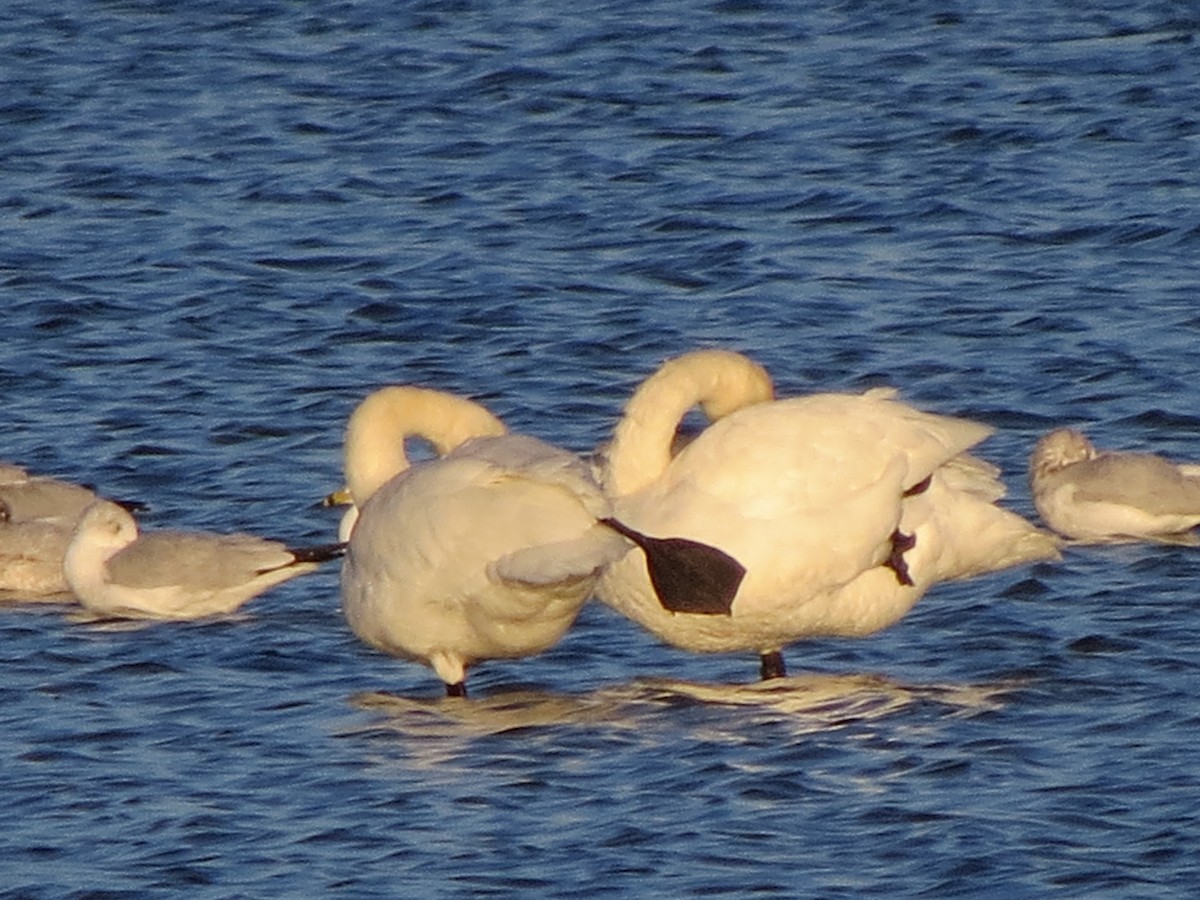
column 688, row 576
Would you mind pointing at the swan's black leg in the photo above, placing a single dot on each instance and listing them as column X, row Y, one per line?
column 901, row 543
column 458, row 689
column 772, row 665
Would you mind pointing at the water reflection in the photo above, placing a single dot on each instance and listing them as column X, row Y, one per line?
column 806, row 703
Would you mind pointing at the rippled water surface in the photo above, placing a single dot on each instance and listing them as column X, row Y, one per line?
column 222, row 223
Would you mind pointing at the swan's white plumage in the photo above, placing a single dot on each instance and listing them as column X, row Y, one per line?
column 807, row 493
column 1089, row 495
column 487, row 551
column 116, row 571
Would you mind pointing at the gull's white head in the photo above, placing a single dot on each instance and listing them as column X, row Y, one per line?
column 107, row 526
column 1057, row 450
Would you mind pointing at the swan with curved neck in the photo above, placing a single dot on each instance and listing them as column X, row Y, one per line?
column 377, row 429
column 374, row 449
column 841, row 507
column 718, row 381
column 487, row 551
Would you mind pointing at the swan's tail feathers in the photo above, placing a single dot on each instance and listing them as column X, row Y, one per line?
column 688, row 576
column 320, row 553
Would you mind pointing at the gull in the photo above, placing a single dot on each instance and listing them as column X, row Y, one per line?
column 41, row 497
column 116, row 571
column 1100, row 496
column 31, row 556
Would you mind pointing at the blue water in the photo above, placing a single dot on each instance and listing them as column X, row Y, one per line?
column 222, row 223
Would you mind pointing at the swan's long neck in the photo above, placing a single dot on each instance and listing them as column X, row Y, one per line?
column 378, row 428
column 719, row 381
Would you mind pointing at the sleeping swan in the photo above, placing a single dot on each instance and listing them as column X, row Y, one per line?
column 1109, row 496
column 843, row 509
column 487, row 551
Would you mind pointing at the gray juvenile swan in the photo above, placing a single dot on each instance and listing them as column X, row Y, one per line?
column 1101, row 496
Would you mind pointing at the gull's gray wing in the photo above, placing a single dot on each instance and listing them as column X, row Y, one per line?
column 1140, row 480
column 202, row 562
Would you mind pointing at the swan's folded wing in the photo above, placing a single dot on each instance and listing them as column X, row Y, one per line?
column 560, row 561
column 975, row 476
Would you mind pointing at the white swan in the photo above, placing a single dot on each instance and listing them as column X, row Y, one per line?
column 31, row 556
column 487, row 551
column 1095, row 496
column 844, row 509
column 115, row 571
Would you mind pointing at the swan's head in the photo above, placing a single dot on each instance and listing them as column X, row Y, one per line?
column 1057, row 450
column 378, row 427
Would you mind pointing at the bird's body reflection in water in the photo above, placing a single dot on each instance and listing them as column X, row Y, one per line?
column 808, row 703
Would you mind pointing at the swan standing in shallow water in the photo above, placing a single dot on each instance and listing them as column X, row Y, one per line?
column 115, row 571
column 487, row 551
column 1098, row 496
column 843, row 509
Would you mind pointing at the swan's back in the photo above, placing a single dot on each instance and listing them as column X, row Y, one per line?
column 823, row 445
